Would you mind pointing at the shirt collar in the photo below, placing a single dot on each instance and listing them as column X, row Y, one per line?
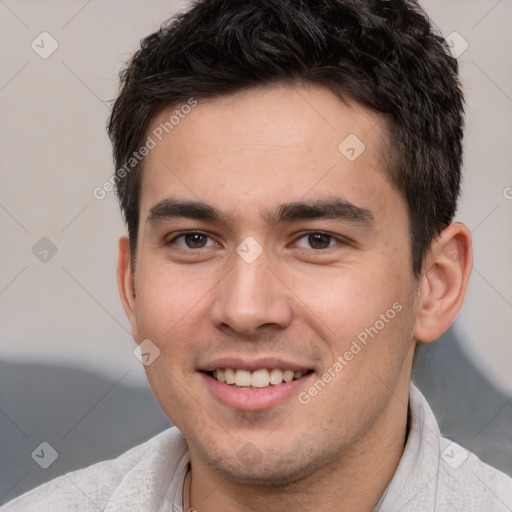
column 413, row 487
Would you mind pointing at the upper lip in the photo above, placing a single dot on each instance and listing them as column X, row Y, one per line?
column 254, row 363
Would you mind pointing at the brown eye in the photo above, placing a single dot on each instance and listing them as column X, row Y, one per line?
column 195, row 240
column 319, row 240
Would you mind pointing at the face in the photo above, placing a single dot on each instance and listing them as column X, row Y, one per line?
column 273, row 258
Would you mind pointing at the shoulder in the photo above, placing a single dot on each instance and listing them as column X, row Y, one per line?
column 438, row 474
column 468, row 482
column 94, row 487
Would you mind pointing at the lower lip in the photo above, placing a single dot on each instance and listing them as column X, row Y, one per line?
column 254, row 399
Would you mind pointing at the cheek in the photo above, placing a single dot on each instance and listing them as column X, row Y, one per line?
column 167, row 299
column 348, row 300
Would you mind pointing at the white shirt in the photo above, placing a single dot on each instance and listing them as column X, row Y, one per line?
column 434, row 474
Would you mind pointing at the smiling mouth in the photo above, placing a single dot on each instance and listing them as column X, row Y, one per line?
column 257, row 379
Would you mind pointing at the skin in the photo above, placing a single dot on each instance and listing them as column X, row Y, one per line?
column 245, row 155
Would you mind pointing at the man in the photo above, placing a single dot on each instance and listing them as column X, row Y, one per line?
column 289, row 173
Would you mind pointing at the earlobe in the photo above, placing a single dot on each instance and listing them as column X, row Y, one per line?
column 126, row 283
column 447, row 270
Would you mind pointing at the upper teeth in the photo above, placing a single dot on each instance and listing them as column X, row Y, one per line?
column 258, row 379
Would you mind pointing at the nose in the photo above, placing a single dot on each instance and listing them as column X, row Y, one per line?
column 251, row 298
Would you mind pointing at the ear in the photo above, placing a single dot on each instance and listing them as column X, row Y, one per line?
column 447, row 268
column 126, row 283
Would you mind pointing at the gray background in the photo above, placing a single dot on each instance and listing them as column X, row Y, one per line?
column 68, row 374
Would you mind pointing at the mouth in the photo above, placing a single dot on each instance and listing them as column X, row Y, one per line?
column 257, row 379
column 257, row 385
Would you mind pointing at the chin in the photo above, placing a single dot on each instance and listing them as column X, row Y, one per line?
column 249, row 466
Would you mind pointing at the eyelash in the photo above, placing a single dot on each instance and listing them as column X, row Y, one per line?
column 339, row 241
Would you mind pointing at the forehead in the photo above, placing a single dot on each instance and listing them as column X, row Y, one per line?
column 261, row 146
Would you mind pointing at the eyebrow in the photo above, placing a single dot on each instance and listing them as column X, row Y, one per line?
column 334, row 208
column 171, row 208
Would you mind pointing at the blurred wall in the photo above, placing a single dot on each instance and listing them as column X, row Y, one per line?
column 58, row 294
